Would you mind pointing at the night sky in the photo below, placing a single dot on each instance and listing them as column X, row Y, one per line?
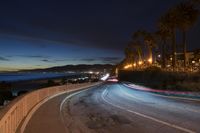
column 45, row 33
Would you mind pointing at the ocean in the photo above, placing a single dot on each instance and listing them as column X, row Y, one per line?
column 12, row 77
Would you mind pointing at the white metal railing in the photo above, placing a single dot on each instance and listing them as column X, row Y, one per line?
column 12, row 115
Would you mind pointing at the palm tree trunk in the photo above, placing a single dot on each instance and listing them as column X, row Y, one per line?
column 150, row 54
column 174, row 49
column 139, row 56
column 164, row 54
column 184, row 48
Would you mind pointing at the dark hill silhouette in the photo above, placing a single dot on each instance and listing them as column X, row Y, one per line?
column 76, row 68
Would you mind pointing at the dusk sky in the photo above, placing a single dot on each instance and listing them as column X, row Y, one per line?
column 46, row 33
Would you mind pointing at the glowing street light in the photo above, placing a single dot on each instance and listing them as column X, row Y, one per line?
column 150, row 60
column 127, row 66
column 140, row 62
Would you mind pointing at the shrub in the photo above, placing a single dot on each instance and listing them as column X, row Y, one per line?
column 1, row 100
column 153, row 69
column 5, row 95
column 50, row 82
column 21, row 92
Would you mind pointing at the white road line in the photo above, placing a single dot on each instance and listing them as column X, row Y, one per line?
column 64, row 100
column 172, row 97
column 146, row 116
column 175, row 97
column 188, row 109
column 125, row 93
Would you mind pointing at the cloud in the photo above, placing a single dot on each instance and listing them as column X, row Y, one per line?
column 36, row 56
column 3, row 59
column 57, row 60
column 112, row 60
column 61, row 60
column 89, row 59
column 32, row 56
column 109, row 60
column 45, row 60
column 29, row 56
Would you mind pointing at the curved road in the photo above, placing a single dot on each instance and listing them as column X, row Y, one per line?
column 114, row 108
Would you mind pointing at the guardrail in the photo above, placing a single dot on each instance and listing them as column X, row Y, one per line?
column 12, row 115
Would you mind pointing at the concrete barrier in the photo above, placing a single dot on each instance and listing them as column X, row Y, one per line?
column 12, row 115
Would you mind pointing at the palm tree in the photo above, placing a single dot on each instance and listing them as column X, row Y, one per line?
column 138, row 34
column 163, row 34
column 187, row 15
column 137, row 46
column 129, row 55
column 170, row 21
column 195, row 3
column 148, row 39
column 150, row 42
column 138, row 39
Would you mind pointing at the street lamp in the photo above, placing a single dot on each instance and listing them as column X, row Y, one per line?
column 140, row 62
column 127, row 66
column 150, row 60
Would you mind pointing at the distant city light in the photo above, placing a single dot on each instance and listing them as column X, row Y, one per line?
column 97, row 72
column 90, row 72
column 112, row 80
column 105, row 77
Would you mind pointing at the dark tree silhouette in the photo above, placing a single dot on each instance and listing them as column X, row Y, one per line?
column 187, row 15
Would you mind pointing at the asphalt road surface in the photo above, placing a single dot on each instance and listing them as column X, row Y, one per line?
column 114, row 108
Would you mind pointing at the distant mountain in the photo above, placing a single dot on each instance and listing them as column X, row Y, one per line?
column 76, row 68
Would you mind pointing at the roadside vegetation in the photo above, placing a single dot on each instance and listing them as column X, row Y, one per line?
column 155, row 78
column 160, row 58
column 164, row 46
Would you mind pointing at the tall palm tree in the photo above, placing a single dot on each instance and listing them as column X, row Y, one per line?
column 138, row 34
column 134, row 46
column 148, row 39
column 195, row 3
column 150, row 42
column 170, row 21
column 187, row 15
column 129, row 55
column 137, row 46
column 138, row 43
column 163, row 34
